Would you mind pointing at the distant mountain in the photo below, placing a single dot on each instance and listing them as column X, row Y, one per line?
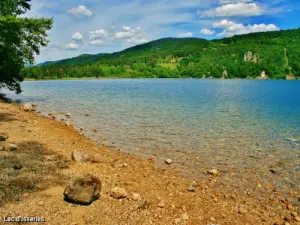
column 84, row 58
column 268, row 54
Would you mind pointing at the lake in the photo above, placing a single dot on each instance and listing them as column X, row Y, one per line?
column 233, row 125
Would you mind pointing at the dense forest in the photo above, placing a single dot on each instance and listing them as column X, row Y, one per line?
column 276, row 53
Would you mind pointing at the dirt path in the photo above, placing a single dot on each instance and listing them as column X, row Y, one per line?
column 44, row 152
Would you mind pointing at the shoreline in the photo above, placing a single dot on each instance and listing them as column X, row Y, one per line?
column 164, row 189
column 136, row 78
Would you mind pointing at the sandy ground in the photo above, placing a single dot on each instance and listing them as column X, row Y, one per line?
column 44, row 151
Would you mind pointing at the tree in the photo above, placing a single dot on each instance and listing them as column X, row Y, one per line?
column 20, row 39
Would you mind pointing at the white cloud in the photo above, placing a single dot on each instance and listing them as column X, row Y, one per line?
column 130, row 35
column 77, row 37
column 72, row 46
column 98, row 37
column 184, row 35
column 234, row 9
column 98, row 34
column 231, row 28
column 97, row 42
column 127, row 34
column 206, row 31
column 81, row 11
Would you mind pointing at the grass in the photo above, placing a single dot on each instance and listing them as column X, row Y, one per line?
column 172, row 66
column 41, row 169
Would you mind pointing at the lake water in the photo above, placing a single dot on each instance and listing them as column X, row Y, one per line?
column 234, row 125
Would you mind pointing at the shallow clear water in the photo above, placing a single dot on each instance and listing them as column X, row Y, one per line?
column 217, row 121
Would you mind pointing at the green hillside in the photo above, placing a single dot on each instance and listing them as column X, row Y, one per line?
column 245, row 56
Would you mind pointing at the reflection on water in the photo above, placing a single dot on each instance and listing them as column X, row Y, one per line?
column 199, row 123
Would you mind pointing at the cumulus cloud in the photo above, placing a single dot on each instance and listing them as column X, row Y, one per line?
column 98, row 37
column 231, row 28
column 72, row 46
column 78, row 37
column 131, row 35
column 127, row 34
column 184, row 35
column 206, row 31
column 234, row 9
column 97, row 42
column 98, row 34
column 80, row 11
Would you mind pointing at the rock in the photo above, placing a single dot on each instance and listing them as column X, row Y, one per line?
column 68, row 115
column 213, row 172
column 242, row 210
column 168, row 161
column 290, row 207
column 10, row 147
column 161, row 204
column 25, row 195
column 41, row 203
column 80, row 157
column 212, row 219
column 27, row 107
column 86, row 114
column 136, row 197
column 118, row 193
column 144, row 205
column 3, row 136
column 294, row 214
column 191, row 189
column 67, row 123
column 297, row 218
column 83, row 189
column 96, row 158
column 18, row 166
column 185, row 216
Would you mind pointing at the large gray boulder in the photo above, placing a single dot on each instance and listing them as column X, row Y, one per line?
column 83, row 189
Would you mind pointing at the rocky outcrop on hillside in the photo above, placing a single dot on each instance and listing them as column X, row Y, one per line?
column 251, row 57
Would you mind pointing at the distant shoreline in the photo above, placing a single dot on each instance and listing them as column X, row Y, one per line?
column 135, row 78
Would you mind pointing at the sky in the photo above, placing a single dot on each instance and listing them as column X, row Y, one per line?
column 105, row 26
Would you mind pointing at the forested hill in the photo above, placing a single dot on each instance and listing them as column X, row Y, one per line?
column 246, row 56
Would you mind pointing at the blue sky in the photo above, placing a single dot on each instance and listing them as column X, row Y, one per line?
column 98, row 26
